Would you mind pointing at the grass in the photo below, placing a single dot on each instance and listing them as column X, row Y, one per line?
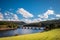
column 48, row 35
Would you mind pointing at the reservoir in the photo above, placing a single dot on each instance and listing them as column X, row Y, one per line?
column 19, row 31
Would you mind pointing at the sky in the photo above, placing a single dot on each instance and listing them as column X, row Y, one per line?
column 29, row 11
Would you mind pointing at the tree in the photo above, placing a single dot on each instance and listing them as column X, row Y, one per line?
column 12, row 25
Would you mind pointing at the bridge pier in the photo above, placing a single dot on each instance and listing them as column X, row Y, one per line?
column 39, row 28
column 25, row 27
column 33, row 27
column 28, row 28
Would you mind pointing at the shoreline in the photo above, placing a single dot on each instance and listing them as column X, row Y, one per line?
column 3, row 29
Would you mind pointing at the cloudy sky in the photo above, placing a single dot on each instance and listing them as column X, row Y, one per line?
column 29, row 10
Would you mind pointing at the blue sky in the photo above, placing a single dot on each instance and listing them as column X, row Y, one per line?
column 37, row 8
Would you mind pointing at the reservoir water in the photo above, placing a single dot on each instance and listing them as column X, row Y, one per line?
column 19, row 31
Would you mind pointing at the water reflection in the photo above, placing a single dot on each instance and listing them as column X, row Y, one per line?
column 19, row 31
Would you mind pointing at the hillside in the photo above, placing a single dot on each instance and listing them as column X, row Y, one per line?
column 48, row 35
column 44, row 23
column 17, row 22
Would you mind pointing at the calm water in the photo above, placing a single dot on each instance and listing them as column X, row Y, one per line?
column 19, row 31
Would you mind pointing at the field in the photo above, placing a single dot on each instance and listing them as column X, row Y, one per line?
column 47, row 35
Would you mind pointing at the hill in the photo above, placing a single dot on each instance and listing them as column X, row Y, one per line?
column 10, row 25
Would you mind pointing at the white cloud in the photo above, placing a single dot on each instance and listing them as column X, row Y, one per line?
column 52, row 18
column 8, row 19
column 26, row 20
column 1, row 16
column 31, row 20
column 43, row 16
column 6, row 14
column 15, row 17
column 11, row 16
column 25, row 13
column 46, row 14
column 49, row 12
column 58, row 15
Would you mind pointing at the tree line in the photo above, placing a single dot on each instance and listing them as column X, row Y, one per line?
column 4, row 24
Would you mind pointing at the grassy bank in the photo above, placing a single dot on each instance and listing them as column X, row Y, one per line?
column 48, row 35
